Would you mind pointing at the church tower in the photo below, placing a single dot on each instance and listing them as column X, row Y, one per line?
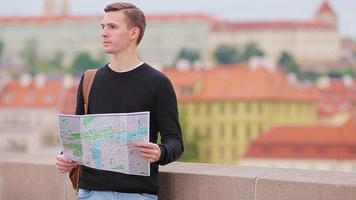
column 49, row 8
column 325, row 14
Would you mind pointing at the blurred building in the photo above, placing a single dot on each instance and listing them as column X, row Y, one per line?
column 314, row 43
column 28, row 112
column 306, row 147
column 336, row 99
column 224, row 108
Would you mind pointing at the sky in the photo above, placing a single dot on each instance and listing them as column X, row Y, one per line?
column 238, row 10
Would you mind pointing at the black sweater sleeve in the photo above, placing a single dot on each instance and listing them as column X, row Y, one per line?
column 168, row 124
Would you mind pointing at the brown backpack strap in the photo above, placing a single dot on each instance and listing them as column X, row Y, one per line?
column 89, row 76
column 88, row 81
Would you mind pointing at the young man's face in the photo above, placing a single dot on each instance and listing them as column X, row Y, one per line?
column 115, row 33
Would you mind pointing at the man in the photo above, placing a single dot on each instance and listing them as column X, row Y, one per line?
column 128, row 85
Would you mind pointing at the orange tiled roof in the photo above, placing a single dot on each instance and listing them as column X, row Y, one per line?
column 75, row 18
column 306, row 142
column 16, row 95
column 337, row 97
column 46, row 20
column 236, row 82
column 68, row 103
column 181, row 17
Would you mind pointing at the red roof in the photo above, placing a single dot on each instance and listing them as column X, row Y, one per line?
column 306, row 142
column 45, row 20
column 180, row 17
column 68, row 103
column 272, row 25
column 74, row 18
column 325, row 7
column 16, row 95
column 235, row 82
column 336, row 97
column 52, row 94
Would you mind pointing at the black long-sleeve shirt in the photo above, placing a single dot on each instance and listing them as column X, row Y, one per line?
column 141, row 89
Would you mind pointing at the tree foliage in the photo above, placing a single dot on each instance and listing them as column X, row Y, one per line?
column 84, row 61
column 225, row 54
column 188, row 54
column 288, row 63
column 251, row 50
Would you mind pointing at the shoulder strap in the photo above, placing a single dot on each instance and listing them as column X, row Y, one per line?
column 88, row 81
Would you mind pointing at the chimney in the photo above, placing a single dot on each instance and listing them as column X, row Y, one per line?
column 25, row 80
column 40, row 81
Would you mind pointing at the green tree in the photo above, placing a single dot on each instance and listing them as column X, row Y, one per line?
column 30, row 55
column 188, row 54
column 251, row 50
column 226, row 55
column 57, row 59
column 289, row 64
column 310, row 75
column 84, row 61
column 335, row 74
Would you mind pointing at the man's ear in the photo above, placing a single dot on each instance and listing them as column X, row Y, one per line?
column 135, row 32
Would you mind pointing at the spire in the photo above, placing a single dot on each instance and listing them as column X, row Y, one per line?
column 325, row 8
column 49, row 8
column 65, row 7
column 325, row 14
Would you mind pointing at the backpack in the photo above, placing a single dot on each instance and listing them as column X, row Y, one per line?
column 75, row 173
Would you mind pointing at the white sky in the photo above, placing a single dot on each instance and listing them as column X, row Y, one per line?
column 239, row 10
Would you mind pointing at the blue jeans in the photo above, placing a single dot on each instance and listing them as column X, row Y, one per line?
column 84, row 194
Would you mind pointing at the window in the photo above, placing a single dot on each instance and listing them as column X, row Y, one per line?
column 29, row 97
column 260, row 128
column 196, row 130
column 222, row 131
column 49, row 98
column 234, row 108
column 222, row 108
column 208, row 154
column 208, row 109
column 208, row 131
column 248, row 133
column 248, row 108
column 197, row 109
column 234, row 131
column 222, row 153
column 260, row 108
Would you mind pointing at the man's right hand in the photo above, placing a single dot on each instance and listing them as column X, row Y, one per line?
column 64, row 164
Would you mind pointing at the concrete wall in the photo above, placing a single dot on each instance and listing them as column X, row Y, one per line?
column 193, row 181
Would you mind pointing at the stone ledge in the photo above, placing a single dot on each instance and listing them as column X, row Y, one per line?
column 183, row 181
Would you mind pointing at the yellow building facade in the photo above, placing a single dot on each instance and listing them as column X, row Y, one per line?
column 225, row 128
column 249, row 103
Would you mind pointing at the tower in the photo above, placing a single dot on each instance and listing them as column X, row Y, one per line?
column 65, row 7
column 325, row 14
column 49, row 8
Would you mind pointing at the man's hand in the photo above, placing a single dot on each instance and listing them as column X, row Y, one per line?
column 64, row 164
column 149, row 151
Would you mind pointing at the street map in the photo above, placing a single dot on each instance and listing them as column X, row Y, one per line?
column 106, row 141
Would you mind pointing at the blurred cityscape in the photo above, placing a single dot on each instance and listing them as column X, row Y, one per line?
column 276, row 93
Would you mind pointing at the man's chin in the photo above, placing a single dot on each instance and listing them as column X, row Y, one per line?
column 108, row 51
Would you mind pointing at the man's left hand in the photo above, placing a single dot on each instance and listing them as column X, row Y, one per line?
column 149, row 151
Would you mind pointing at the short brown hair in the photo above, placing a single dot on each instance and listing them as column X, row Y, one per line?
column 135, row 17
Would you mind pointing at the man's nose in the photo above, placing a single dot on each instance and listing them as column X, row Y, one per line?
column 104, row 33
